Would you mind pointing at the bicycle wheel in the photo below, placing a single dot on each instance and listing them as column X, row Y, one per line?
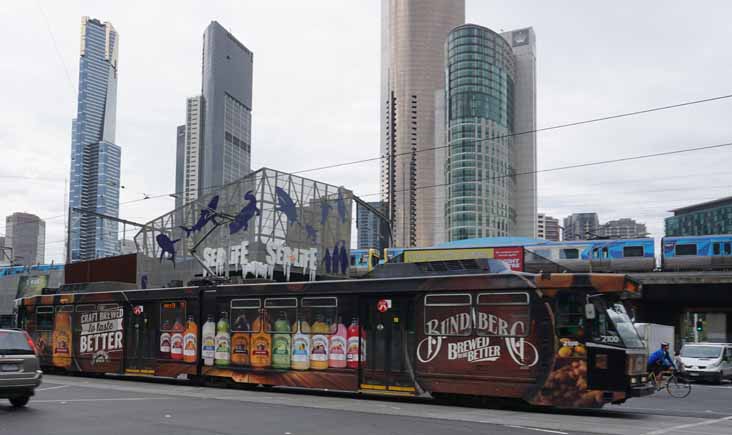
column 678, row 387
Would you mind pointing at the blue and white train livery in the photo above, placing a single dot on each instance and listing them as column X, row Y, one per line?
column 696, row 253
column 601, row 255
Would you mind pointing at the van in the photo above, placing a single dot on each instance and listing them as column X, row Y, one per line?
column 707, row 361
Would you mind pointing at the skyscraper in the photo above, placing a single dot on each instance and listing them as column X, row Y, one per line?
column 369, row 231
column 95, row 158
column 490, row 97
column 580, row 226
column 623, row 228
column 225, row 153
column 413, row 34
column 547, row 227
column 25, row 234
column 188, row 156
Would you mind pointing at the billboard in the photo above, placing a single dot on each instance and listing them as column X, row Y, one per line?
column 31, row 285
column 513, row 256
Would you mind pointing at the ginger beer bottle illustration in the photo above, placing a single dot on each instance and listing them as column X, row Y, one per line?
column 338, row 345
column 190, row 341
column 222, row 353
column 208, row 341
column 356, row 341
column 165, row 339
column 319, row 344
column 301, row 346
column 240, row 341
column 176, row 340
column 61, row 339
column 281, row 343
column 261, row 343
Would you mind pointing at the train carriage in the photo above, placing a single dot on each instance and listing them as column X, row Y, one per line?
column 555, row 339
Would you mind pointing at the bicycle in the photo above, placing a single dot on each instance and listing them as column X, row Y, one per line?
column 675, row 384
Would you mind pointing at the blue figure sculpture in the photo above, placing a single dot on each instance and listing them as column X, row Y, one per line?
column 167, row 246
column 207, row 214
column 326, row 260
column 241, row 221
column 341, row 206
column 344, row 257
column 312, row 233
column 286, row 205
column 324, row 210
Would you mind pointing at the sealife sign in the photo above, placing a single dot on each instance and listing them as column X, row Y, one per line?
column 268, row 224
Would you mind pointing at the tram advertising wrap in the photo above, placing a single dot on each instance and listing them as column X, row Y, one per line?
column 513, row 256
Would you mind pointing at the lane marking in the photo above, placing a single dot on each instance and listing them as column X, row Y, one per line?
column 686, row 426
column 52, row 388
column 107, row 399
column 537, row 429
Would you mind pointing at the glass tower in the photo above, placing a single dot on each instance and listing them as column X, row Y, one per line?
column 95, row 159
column 479, row 168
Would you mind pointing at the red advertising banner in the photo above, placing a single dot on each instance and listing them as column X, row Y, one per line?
column 511, row 255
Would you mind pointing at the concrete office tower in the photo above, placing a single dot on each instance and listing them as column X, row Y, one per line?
column 413, row 34
column 25, row 234
column 484, row 110
column 581, row 226
column 547, row 227
column 623, row 228
column 225, row 153
column 523, row 44
column 95, row 159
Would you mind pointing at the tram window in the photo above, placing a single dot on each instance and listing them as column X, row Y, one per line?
column 728, row 248
column 85, row 308
column 715, row 248
column 569, row 254
column 44, row 318
column 65, row 309
column 503, row 314
column 244, row 313
column 172, row 316
column 570, row 314
column 320, row 313
column 448, row 314
column 632, row 251
column 686, row 249
column 278, row 310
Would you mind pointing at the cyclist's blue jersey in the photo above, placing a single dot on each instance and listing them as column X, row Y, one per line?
column 661, row 356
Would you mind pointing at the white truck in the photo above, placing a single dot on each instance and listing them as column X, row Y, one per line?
column 654, row 334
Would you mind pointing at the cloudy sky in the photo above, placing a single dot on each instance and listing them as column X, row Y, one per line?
column 316, row 96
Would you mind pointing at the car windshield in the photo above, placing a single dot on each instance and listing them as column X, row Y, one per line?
column 701, row 351
column 14, row 342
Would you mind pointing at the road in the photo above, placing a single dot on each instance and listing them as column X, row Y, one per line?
column 80, row 406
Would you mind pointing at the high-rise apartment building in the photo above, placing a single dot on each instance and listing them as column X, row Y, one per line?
column 369, row 232
column 413, row 34
column 703, row 219
column 225, row 110
column 624, row 228
column 25, row 235
column 490, row 170
column 188, row 152
column 95, row 158
column 581, row 226
column 547, row 227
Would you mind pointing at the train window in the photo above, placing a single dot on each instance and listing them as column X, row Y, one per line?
column 448, row 314
column 172, row 316
column 686, row 249
column 570, row 314
column 503, row 314
column 569, row 254
column 244, row 315
column 728, row 248
column 715, row 248
column 320, row 314
column 281, row 313
column 44, row 318
column 632, row 251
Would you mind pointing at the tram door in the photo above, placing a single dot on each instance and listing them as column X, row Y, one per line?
column 389, row 327
column 141, row 343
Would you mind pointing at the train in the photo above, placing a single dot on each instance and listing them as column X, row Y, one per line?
column 678, row 254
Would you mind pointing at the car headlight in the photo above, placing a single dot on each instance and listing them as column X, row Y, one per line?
column 714, row 364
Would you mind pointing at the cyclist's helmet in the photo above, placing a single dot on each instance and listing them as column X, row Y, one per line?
column 665, row 344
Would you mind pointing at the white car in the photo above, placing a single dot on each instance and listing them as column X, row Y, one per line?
column 707, row 361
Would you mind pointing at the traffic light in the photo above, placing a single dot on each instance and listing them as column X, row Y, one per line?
column 699, row 326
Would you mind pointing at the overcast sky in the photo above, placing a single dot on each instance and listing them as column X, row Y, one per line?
column 316, row 96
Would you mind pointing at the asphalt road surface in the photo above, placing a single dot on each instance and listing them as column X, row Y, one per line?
column 100, row 406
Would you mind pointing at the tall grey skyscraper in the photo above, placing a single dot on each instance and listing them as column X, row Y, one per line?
column 580, row 226
column 413, row 34
column 180, row 164
column 188, row 152
column 489, row 167
column 225, row 154
column 25, row 234
column 95, row 158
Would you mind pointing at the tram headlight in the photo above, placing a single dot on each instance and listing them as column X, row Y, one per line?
column 636, row 364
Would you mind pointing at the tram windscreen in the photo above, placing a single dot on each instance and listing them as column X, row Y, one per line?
column 613, row 326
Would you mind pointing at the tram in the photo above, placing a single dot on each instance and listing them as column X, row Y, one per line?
column 560, row 340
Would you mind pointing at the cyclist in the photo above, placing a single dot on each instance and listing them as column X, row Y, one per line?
column 659, row 361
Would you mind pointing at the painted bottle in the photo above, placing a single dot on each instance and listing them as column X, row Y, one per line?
column 176, row 341
column 165, row 339
column 240, row 341
column 261, row 343
column 61, row 340
column 208, row 339
column 281, row 343
column 222, row 353
column 190, row 341
column 319, row 344
column 301, row 346
column 338, row 344
column 356, row 342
